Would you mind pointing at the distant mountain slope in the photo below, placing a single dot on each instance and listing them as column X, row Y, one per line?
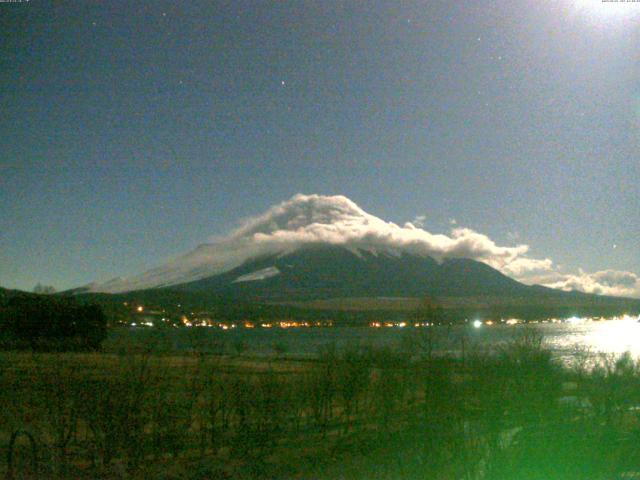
column 314, row 248
column 328, row 271
column 6, row 294
column 334, row 281
column 311, row 220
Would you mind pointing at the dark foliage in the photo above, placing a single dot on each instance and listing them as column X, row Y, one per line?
column 40, row 322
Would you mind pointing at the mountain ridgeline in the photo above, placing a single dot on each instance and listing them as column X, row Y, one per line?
column 319, row 281
column 325, row 253
column 326, row 271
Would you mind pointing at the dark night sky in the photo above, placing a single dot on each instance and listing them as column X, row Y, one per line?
column 132, row 131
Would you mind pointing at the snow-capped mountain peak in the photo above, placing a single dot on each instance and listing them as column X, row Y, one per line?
column 328, row 220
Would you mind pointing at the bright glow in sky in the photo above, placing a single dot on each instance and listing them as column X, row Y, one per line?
column 607, row 11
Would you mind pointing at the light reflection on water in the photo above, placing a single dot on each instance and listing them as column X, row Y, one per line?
column 610, row 336
column 570, row 339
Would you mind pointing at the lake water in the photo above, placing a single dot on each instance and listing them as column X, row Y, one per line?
column 564, row 339
column 610, row 336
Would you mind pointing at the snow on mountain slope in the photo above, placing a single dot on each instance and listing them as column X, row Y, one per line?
column 258, row 275
column 333, row 220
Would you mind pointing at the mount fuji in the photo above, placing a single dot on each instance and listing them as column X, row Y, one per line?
column 311, row 221
column 315, row 248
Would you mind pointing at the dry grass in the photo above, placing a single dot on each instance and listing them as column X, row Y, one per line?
column 345, row 414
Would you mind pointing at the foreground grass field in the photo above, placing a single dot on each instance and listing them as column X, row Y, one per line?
column 359, row 413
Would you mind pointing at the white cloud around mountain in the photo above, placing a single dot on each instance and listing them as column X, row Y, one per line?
column 337, row 220
column 308, row 219
column 419, row 220
column 605, row 282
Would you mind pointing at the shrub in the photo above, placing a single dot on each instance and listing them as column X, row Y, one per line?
column 56, row 324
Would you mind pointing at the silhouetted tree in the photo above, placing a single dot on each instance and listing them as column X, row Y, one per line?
column 44, row 289
column 428, row 311
column 46, row 323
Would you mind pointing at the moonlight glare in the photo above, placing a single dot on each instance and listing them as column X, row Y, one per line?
column 608, row 12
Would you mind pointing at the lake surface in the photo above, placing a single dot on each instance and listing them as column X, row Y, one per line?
column 608, row 336
column 564, row 339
